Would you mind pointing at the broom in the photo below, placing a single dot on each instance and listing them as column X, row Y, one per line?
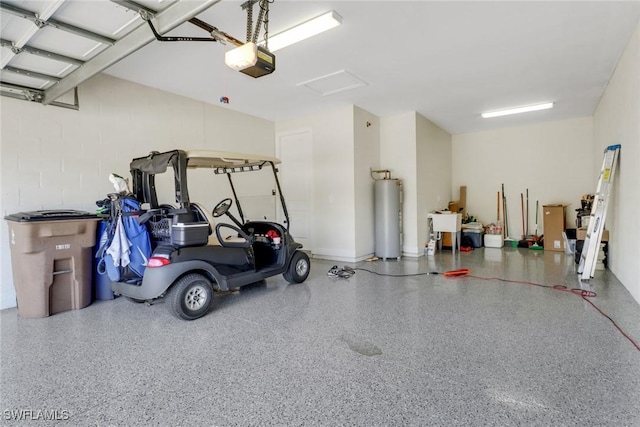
column 523, row 243
column 535, row 245
column 508, row 241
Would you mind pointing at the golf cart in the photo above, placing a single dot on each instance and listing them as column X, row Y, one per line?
column 192, row 258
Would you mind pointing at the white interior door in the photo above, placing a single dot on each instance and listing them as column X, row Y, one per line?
column 296, row 180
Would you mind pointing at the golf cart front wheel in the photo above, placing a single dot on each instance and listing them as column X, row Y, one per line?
column 299, row 267
column 190, row 297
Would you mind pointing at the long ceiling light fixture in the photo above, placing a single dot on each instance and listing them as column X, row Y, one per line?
column 310, row 28
column 517, row 110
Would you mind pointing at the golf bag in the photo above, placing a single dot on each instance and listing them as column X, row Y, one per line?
column 124, row 246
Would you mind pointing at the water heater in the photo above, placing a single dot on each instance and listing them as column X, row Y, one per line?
column 388, row 218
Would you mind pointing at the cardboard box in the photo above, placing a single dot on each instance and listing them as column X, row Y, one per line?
column 553, row 223
column 582, row 233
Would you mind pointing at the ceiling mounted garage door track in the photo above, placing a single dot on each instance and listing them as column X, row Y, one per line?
column 46, row 53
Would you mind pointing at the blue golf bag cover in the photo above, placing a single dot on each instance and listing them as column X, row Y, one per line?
column 128, row 246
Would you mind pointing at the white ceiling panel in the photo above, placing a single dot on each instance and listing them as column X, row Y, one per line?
column 5, row 54
column 156, row 4
column 42, row 65
column 65, row 43
column 23, row 80
column 14, row 28
column 333, row 83
column 102, row 17
column 43, row 8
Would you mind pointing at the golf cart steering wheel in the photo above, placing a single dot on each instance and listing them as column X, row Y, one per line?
column 222, row 207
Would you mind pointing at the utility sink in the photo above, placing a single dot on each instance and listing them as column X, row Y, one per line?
column 446, row 222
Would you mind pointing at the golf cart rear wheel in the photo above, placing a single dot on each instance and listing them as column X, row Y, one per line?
column 190, row 297
column 299, row 267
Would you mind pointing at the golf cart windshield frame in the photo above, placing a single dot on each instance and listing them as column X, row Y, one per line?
column 144, row 169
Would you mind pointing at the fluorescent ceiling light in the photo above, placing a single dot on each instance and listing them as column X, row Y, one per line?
column 517, row 110
column 303, row 31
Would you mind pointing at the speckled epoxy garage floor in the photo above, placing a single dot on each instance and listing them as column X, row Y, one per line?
column 369, row 350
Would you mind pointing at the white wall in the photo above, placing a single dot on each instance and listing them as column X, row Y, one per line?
column 333, row 188
column 345, row 149
column 58, row 158
column 554, row 160
column 397, row 154
column 617, row 121
column 367, row 156
column 419, row 153
column 434, row 173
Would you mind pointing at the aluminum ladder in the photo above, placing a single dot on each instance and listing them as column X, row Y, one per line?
column 592, row 241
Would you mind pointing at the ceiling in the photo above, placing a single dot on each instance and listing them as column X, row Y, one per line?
column 447, row 60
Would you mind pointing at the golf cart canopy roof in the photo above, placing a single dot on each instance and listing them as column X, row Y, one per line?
column 222, row 161
column 230, row 162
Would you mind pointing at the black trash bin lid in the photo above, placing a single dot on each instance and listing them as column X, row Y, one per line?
column 50, row 215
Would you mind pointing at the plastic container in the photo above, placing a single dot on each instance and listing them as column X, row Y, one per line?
column 475, row 236
column 569, row 245
column 493, row 241
column 190, row 234
column 51, row 258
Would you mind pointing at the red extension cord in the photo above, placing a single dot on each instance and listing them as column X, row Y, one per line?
column 464, row 273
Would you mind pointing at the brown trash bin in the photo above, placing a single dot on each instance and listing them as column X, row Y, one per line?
column 52, row 260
